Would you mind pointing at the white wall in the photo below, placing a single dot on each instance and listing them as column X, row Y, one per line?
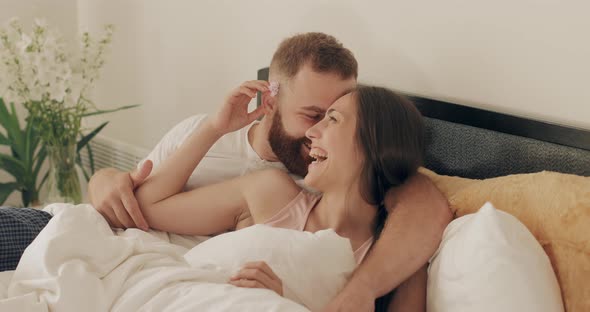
column 61, row 14
column 180, row 57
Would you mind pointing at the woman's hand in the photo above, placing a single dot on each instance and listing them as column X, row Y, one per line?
column 233, row 114
column 257, row 275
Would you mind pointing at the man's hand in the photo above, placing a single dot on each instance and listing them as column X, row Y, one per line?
column 111, row 193
column 233, row 114
column 354, row 297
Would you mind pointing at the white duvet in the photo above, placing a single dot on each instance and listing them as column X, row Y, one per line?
column 77, row 263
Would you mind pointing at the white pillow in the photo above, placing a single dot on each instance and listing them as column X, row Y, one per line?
column 312, row 266
column 489, row 261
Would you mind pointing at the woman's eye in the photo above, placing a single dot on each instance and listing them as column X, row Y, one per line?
column 332, row 118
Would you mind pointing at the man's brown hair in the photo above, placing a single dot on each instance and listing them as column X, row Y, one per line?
column 323, row 52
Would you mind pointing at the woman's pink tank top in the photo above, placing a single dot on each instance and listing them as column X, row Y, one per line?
column 294, row 216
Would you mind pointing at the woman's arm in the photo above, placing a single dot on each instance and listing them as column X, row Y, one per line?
column 217, row 208
column 207, row 210
column 170, row 177
column 160, row 196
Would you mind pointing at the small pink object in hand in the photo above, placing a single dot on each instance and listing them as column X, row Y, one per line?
column 274, row 88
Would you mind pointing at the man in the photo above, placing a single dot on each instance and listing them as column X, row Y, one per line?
column 318, row 70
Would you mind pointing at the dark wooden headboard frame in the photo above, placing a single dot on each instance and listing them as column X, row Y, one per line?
column 543, row 131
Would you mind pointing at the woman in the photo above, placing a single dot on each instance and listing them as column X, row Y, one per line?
column 369, row 140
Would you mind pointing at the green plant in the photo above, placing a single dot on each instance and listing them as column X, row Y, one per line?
column 27, row 155
column 25, row 159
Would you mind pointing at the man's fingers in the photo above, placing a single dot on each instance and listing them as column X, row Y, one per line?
column 255, row 114
column 140, row 174
column 258, row 85
column 132, row 207
column 247, row 91
column 122, row 215
column 111, row 218
column 253, row 87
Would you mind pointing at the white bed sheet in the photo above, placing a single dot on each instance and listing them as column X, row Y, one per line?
column 78, row 263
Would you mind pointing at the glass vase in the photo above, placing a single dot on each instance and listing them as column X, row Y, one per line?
column 63, row 184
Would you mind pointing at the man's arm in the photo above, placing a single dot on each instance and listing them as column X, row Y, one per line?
column 410, row 296
column 110, row 191
column 418, row 215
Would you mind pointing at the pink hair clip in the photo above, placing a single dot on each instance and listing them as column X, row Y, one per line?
column 274, row 88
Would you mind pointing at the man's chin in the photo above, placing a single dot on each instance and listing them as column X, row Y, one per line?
column 299, row 171
column 305, row 168
column 299, row 168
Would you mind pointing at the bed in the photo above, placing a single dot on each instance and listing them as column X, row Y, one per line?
column 462, row 141
column 479, row 144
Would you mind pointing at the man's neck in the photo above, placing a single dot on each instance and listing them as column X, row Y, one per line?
column 258, row 139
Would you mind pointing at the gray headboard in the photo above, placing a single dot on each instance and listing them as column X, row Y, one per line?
column 476, row 143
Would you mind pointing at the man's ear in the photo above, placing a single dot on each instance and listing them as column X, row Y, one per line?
column 269, row 103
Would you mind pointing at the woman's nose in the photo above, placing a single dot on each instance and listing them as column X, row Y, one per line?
column 313, row 132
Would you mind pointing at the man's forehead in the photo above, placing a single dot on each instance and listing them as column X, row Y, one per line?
column 315, row 108
column 319, row 98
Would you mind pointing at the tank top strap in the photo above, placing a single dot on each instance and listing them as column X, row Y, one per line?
column 294, row 215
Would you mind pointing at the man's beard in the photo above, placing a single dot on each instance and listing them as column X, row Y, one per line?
column 289, row 150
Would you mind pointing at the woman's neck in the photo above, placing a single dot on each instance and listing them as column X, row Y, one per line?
column 347, row 213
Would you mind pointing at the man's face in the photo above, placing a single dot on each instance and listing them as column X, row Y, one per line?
column 303, row 102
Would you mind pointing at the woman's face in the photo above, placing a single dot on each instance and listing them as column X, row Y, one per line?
column 334, row 147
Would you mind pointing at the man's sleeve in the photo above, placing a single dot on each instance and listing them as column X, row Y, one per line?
column 174, row 138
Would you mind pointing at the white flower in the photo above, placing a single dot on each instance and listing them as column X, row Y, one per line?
column 24, row 43
column 57, row 91
column 43, row 69
column 14, row 22
column 13, row 30
column 41, row 23
column 274, row 88
column 36, row 93
column 35, row 66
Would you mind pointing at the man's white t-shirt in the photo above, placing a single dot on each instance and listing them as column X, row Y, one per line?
column 230, row 157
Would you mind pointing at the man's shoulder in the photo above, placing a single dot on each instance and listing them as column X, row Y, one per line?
column 190, row 123
column 183, row 129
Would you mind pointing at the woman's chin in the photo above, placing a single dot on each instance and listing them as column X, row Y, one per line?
column 309, row 180
column 315, row 173
column 312, row 180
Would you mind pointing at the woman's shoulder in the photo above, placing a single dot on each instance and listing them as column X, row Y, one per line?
column 271, row 190
column 274, row 178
